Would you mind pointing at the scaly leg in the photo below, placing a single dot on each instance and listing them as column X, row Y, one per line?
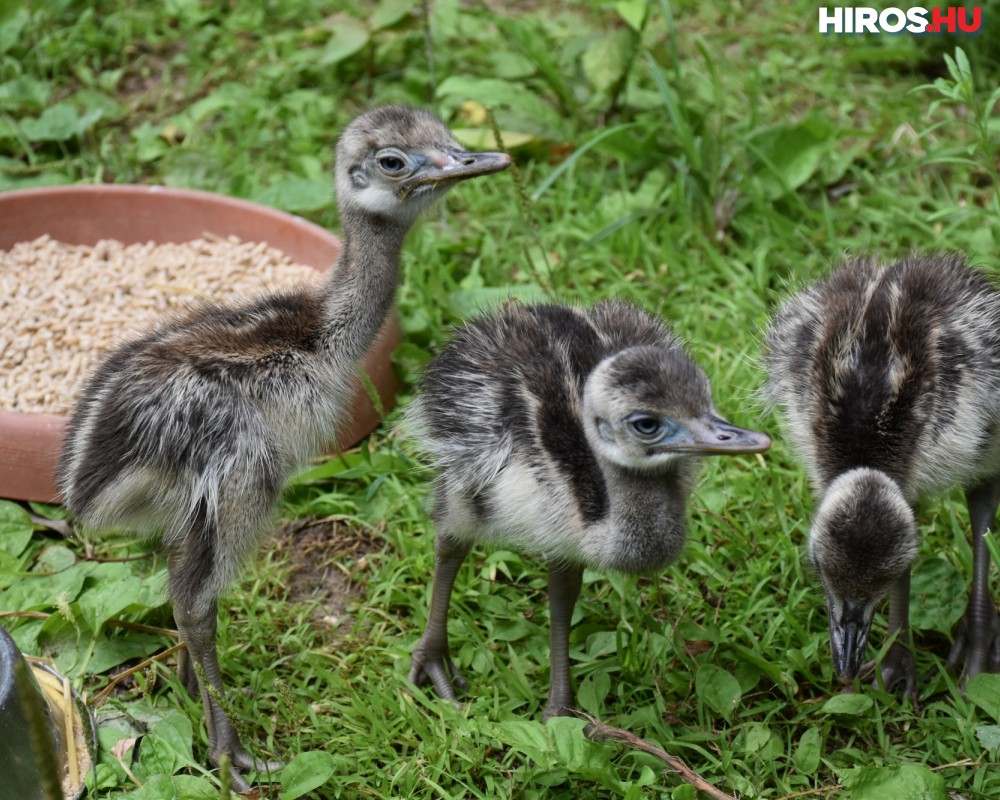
column 431, row 659
column 186, row 673
column 197, row 627
column 977, row 641
column 564, row 588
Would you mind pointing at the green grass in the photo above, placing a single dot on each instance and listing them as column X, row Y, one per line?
column 731, row 158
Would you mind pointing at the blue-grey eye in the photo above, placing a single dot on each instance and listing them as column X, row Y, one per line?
column 646, row 427
column 391, row 163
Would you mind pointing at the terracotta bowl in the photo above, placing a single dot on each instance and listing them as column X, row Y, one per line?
column 30, row 444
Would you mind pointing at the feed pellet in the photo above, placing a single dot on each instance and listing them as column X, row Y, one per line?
column 63, row 305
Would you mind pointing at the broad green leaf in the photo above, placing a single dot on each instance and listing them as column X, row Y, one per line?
column 513, row 630
column 112, row 589
column 593, row 690
column 531, row 37
column 55, row 558
column 13, row 20
column 37, row 592
column 807, row 754
column 989, row 736
column 112, row 650
column 24, row 94
column 853, row 705
column 149, row 144
column 526, row 736
column 503, row 94
column 175, row 787
column 574, row 750
column 191, row 12
column 349, row 36
column 64, row 641
column 902, row 782
column 937, row 596
column 984, row 691
column 298, row 195
column 390, row 12
column 97, row 105
column 791, row 153
column 49, row 511
column 167, row 746
column 9, row 567
column 550, row 778
column 646, row 777
column 305, row 772
column 602, row 643
column 8, row 8
column 26, row 634
column 604, row 62
column 689, row 631
column 56, row 124
column 228, row 95
column 719, row 690
column 16, row 528
column 445, row 18
column 756, row 737
column 47, row 178
column 633, row 12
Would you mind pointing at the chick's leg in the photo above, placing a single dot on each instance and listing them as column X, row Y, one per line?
column 977, row 640
column 431, row 659
column 197, row 627
column 564, row 589
column 194, row 566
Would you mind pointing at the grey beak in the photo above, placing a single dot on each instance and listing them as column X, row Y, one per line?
column 460, row 165
column 848, row 640
column 710, row 434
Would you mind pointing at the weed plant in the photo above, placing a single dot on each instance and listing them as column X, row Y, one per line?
column 701, row 159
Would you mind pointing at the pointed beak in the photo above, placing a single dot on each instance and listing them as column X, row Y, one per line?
column 453, row 165
column 848, row 639
column 709, row 434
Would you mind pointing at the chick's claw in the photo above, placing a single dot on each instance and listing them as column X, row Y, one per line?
column 896, row 669
column 429, row 664
column 977, row 643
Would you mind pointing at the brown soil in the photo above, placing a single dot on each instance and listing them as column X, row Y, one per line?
column 328, row 564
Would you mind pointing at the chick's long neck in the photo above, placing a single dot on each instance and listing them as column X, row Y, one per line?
column 360, row 289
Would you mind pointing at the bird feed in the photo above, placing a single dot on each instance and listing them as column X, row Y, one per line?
column 63, row 306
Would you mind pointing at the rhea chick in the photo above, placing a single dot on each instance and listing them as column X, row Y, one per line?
column 570, row 435
column 189, row 433
column 889, row 377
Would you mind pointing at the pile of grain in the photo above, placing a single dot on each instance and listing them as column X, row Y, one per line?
column 62, row 306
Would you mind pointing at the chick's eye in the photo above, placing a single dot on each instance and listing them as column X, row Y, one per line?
column 645, row 426
column 390, row 163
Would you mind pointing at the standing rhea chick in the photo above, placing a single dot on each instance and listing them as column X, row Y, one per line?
column 189, row 432
column 568, row 434
column 889, row 378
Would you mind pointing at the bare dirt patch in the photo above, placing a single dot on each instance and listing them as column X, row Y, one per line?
column 328, row 562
